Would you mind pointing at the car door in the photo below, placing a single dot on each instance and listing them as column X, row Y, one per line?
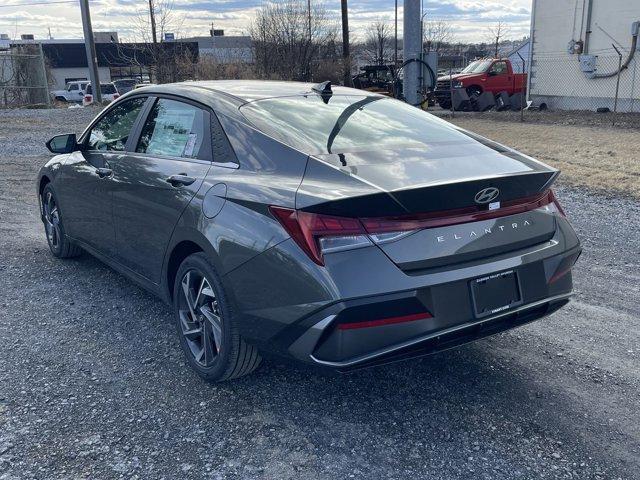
column 156, row 179
column 85, row 185
column 74, row 94
column 499, row 78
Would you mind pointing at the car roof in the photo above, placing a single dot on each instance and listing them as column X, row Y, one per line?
column 244, row 91
column 226, row 96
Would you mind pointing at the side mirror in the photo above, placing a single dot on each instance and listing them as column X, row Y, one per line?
column 66, row 143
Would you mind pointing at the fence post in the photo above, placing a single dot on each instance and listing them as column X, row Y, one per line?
column 615, row 101
column 44, row 76
column 453, row 109
column 524, row 90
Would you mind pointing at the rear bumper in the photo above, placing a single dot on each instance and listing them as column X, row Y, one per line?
column 306, row 347
column 296, row 309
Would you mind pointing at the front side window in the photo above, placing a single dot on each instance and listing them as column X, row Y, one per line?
column 499, row 68
column 73, row 86
column 112, row 131
column 173, row 129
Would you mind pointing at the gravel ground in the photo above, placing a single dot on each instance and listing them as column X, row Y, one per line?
column 93, row 384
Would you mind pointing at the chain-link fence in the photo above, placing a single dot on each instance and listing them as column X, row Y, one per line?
column 559, row 82
column 23, row 77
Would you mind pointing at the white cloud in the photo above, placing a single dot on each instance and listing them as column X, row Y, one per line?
column 469, row 19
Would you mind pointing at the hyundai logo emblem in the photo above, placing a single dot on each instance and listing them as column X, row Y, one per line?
column 487, row 195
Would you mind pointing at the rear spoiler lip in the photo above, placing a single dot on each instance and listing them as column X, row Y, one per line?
column 488, row 178
column 374, row 202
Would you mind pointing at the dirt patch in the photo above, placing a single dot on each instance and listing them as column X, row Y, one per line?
column 590, row 155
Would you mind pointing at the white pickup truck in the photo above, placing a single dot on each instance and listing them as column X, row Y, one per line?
column 73, row 93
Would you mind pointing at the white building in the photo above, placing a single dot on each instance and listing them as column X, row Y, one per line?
column 573, row 59
column 225, row 49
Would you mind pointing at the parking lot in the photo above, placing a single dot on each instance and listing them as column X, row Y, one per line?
column 93, row 383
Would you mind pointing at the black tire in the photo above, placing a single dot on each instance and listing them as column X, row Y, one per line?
column 474, row 91
column 444, row 104
column 59, row 245
column 206, row 324
column 61, row 99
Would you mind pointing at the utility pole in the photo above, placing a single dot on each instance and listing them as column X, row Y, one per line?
column 309, row 17
column 345, row 43
column 152, row 16
column 310, row 47
column 90, row 47
column 395, row 55
column 411, row 46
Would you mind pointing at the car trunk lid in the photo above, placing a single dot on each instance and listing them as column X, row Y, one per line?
column 434, row 196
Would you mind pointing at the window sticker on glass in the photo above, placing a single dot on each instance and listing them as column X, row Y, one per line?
column 173, row 129
column 191, row 144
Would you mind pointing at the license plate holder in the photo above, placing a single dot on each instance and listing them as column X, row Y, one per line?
column 496, row 293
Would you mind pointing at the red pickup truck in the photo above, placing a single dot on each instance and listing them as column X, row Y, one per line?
column 493, row 75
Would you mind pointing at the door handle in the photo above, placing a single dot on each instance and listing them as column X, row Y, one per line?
column 104, row 172
column 180, row 180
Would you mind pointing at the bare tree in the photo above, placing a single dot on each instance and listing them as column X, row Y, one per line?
column 377, row 45
column 151, row 55
column 288, row 38
column 152, row 21
column 436, row 34
column 497, row 33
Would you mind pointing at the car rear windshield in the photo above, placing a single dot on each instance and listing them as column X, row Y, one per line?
column 106, row 89
column 348, row 123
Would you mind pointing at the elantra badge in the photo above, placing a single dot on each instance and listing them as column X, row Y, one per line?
column 487, row 195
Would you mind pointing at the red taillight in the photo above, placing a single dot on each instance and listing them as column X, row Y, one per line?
column 316, row 233
column 555, row 201
column 88, row 98
column 309, row 230
column 116, row 95
column 384, row 321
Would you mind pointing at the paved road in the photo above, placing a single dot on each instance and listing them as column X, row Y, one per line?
column 93, row 385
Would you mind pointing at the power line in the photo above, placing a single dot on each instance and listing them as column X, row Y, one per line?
column 37, row 3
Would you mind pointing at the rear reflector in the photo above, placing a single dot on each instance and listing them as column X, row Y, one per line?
column 318, row 233
column 384, row 321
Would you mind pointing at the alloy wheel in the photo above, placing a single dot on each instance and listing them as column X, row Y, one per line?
column 52, row 221
column 200, row 318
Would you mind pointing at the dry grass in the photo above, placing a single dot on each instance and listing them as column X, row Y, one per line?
column 600, row 157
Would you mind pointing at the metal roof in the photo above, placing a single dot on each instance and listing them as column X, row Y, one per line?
column 73, row 55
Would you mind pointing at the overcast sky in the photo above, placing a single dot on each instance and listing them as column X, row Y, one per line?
column 469, row 18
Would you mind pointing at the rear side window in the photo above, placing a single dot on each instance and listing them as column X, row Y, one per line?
column 105, row 89
column 173, row 129
column 112, row 131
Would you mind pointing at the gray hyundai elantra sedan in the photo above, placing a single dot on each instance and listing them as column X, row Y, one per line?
column 336, row 227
